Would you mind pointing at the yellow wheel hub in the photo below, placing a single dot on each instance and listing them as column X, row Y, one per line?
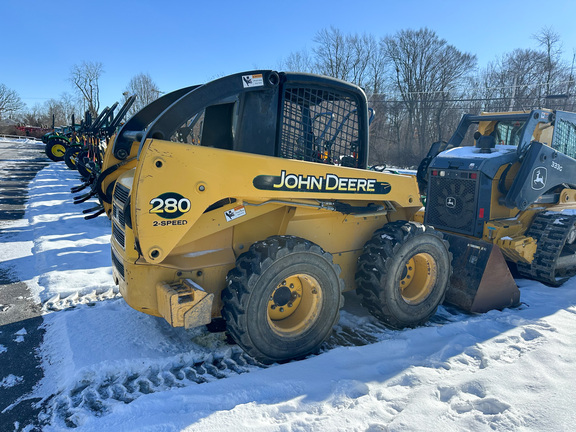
column 58, row 150
column 418, row 278
column 294, row 304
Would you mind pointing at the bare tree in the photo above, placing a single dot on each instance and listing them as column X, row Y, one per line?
column 428, row 72
column 332, row 53
column 354, row 58
column 298, row 61
column 60, row 111
column 145, row 89
column 516, row 81
column 9, row 101
column 85, row 78
column 550, row 41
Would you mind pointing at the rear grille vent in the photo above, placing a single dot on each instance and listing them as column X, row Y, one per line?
column 118, row 265
column 121, row 193
column 451, row 204
column 119, row 215
column 118, row 234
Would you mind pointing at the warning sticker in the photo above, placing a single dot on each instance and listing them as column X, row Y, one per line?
column 255, row 80
column 235, row 213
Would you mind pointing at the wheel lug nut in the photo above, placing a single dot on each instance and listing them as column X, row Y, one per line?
column 273, row 307
column 289, row 304
column 281, row 309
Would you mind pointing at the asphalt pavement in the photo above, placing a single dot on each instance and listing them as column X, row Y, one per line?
column 20, row 317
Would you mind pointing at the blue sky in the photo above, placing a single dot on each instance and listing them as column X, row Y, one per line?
column 180, row 43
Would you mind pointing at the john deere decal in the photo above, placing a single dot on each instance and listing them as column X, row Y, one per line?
column 328, row 183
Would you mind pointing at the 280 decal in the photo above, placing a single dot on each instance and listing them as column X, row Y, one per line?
column 170, row 205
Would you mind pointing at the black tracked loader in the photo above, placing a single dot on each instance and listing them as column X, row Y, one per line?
column 512, row 194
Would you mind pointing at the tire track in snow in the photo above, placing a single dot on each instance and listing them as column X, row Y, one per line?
column 93, row 394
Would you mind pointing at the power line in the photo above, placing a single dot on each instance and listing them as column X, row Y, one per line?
column 372, row 99
column 498, row 88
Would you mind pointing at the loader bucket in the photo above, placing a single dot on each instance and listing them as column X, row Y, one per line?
column 481, row 280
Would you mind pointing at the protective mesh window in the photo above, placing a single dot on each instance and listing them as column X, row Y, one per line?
column 565, row 137
column 319, row 126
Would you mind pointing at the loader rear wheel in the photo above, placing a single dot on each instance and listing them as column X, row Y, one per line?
column 282, row 299
column 55, row 149
column 403, row 274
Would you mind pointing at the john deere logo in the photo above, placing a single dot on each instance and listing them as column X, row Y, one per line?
column 451, row 202
column 539, row 176
column 328, row 183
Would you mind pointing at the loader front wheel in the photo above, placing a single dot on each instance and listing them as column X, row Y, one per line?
column 403, row 274
column 282, row 299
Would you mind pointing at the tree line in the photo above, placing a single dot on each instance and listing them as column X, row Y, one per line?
column 420, row 85
column 417, row 82
column 84, row 79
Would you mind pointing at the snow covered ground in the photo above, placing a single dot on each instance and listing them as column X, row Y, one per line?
column 111, row 368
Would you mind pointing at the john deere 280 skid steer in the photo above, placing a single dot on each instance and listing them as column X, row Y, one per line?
column 249, row 199
column 514, row 189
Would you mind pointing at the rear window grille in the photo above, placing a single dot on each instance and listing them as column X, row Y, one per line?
column 319, row 126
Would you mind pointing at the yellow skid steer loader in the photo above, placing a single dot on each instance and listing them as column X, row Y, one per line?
column 248, row 198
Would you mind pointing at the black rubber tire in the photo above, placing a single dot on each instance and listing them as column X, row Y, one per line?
column 56, row 148
column 383, row 268
column 253, row 287
column 81, row 166
column 70, row 152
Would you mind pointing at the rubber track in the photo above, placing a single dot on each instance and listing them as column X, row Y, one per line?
column 550, row 231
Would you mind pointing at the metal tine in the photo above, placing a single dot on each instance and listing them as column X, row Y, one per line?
column 92, row 216
column 80, row 187
column 92, row 209
column 83, row 198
